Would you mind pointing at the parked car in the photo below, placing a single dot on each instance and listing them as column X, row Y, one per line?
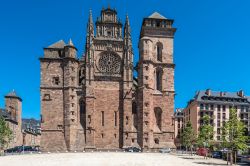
column 19, row 149
column 29, row 149
column 132, row 149
column 165, row 150
column 217, row 154
column 16, row 149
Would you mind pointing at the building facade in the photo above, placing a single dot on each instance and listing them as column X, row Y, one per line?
column 21, row 129
column 31, row 129
column 217, row 106
column 178, row 126
column 93, row 102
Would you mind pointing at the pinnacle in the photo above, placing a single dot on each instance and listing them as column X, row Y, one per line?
column 90, row 16
column 70, row 43
column 127, row 20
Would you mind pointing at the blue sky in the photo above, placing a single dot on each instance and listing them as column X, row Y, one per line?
column 212, row 47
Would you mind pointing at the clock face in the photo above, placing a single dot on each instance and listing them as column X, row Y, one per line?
column 110, row 63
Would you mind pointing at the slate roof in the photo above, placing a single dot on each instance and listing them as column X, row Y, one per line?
column 13, row 94
column 6, row 115
column 218, row 94
column 157, row 16
column 179, row 112
column 221, row 97
column 59, row 44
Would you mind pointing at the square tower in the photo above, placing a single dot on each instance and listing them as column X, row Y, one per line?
column 156, row 83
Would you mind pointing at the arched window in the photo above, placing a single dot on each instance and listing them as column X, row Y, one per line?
column 81, row 75
column 134, row 110
column 82, row 113
column 159, row 48
column 134, row 114
column 159, row 80
column 158, row 119
column 158, row 23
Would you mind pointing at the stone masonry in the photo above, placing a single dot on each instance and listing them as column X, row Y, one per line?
column 93, row 102
column 23, row 131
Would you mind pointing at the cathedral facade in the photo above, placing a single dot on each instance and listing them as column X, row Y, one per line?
column 94, row 102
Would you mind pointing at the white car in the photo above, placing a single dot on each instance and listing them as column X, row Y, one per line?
column 165, row 150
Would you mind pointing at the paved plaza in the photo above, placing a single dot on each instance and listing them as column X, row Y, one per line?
column 106, row 159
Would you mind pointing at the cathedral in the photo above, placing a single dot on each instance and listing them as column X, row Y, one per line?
column 94, row 102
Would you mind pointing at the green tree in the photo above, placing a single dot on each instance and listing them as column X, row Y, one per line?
column 5, row 134
column 206, row 134
column 188, row 137
column 234, row 135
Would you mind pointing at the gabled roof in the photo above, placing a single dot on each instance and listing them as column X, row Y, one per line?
column 59, row 44
column 157, row 16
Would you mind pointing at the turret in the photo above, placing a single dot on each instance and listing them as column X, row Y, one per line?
column 70, row 50
column 13, row 105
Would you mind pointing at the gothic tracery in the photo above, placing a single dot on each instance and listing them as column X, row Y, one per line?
column 109, row 63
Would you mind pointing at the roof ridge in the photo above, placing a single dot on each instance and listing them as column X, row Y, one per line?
column 58, row 44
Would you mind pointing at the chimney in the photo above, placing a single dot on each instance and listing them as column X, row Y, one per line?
column 208, row 92
column 241, row 93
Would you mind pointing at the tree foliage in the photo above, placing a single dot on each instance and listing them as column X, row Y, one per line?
column 188, row 137
column 5, row 133
column 205, row 137
column 234, row 133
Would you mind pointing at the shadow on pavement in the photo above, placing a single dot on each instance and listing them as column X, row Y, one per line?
column 205, row 163
column 243, row 164
column 187, row 158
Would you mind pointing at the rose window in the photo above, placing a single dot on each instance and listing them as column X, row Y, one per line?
column 109, row 63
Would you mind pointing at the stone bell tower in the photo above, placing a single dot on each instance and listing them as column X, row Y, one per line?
column 156, row 83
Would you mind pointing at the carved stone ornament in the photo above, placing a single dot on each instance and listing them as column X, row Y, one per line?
column 109, row 62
